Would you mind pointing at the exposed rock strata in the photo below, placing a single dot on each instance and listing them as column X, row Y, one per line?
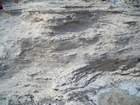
column 70, row 54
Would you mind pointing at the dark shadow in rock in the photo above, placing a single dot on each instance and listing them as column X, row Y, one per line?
column 3, row 70
column 65, row 45
column 2, row 74
column 13, row 12
column 138, row 60
column 131, row 23
column 74, row 26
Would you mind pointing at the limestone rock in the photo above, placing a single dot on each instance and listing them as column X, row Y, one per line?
column 118, row 97
column 68, row 52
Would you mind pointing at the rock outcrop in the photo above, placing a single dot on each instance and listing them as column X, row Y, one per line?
column 70, row 53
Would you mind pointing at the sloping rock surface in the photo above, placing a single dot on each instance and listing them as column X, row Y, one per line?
column 70, row 53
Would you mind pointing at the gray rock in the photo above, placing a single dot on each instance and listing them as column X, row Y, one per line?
column 69, row 53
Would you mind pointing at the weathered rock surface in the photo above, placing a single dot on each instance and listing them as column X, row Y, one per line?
column 118, row 97
column 70, row 53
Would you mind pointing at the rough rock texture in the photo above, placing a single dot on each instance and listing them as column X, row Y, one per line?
column 70, row 53
column 118, row 97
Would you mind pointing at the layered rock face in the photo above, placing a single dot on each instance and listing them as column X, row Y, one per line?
column 70, row 53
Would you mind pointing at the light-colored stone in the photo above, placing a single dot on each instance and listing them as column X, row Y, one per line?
column 69, row 52
column 118, row 97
